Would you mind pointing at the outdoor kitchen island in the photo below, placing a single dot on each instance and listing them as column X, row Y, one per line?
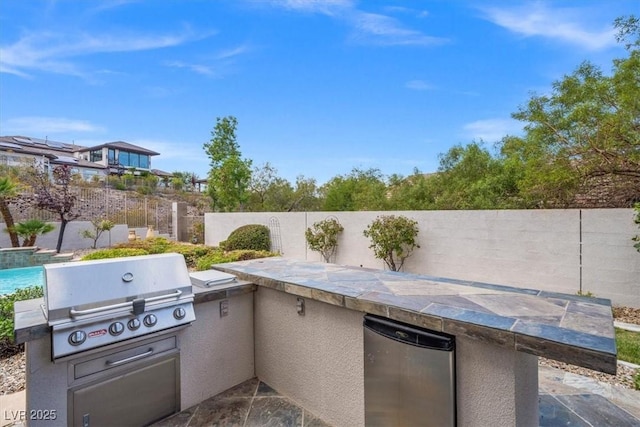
column 297, row 326
column 317, row 359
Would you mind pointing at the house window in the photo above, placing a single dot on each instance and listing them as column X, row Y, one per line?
column 95, row 156
column 112, row 156
column 133, row 160
column 123, row 158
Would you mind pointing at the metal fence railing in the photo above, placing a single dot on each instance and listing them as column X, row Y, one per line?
column 120, row 207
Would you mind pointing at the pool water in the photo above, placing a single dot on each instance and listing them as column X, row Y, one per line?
column 17, row 278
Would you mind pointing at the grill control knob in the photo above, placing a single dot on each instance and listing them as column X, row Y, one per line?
column 133, row 324
column 179, row 313
column 116, row 328
column 150, row 320
column 77, row 337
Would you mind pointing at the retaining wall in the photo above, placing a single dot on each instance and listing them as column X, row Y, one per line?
column 72, row 236
column 568, row 251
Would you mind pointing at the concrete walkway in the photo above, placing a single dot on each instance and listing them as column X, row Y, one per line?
column 568, row 399
column 12, row 408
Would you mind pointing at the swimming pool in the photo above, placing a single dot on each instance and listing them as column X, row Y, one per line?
column 16, row 278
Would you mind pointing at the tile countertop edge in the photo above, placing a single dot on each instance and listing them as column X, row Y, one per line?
column 582, row 355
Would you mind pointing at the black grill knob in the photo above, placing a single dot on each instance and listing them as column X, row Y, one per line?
column 116, row 328
column 179, row 313
column 133, row 324
column 150, row 320
column 77, row 337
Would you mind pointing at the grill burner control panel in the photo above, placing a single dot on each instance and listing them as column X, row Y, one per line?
column 81, row 336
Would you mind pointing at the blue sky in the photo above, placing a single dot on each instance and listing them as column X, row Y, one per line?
column 318, row 87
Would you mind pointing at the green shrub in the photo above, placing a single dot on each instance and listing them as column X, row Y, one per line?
column 7, row 345
column 251, row 237
column 393, row 239
column 192, row 253
column 219, row 257
column 114, row 253
column 155, row 245
column 636, row 380
column 323, row 237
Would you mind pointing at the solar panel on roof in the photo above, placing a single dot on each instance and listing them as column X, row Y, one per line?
column 9, row 145
column 23, row 140
column 66, row 159
column 55, row 144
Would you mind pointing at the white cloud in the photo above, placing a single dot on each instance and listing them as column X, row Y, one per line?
column 216, row 66
column 418, row 85
column 54, row 52
column 206, row 70
column 367, row 28
column 492, row 130
column 537, row 19
column 401, row 9
column 373, row 28
column 47, row 125
column 326, row 7
column 233, row 52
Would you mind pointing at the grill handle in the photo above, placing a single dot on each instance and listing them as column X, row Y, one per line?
column 129, row 359
column 76, row 313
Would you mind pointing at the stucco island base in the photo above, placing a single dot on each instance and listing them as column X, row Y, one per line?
column 317, row 360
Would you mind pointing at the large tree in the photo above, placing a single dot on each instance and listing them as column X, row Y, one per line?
column 471, row 177
column 585, row 131
column 230, row 173
column 361, row 190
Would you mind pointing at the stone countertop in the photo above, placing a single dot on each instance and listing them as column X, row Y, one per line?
column 568, row 328
column 30, row 323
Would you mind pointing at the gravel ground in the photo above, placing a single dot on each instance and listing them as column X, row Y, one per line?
column 12, row 369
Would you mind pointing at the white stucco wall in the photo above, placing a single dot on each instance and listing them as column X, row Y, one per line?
column 496, row 387
column 217, row 351
column 554, row 250
column 610, row 263
column 47, row 382
column 317, row 360
column 72, row 236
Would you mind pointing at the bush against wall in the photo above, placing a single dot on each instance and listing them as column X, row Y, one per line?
column 393, row 239
column 250, row 237
column 322, row 237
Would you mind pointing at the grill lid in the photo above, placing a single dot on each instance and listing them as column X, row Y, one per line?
column 77, row 289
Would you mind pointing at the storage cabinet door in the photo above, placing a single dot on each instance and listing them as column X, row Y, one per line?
column 132, row 399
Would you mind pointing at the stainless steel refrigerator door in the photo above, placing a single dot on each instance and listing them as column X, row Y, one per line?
column 407, row 385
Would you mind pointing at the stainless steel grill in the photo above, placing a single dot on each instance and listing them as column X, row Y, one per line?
column 93, row 304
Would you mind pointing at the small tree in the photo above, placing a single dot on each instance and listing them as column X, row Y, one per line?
column 31, row 229
column 55, row 196
column 393, row 239
column 99, row 226
column 322, row 237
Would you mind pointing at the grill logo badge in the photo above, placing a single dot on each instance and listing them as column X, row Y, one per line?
column 97, row 333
